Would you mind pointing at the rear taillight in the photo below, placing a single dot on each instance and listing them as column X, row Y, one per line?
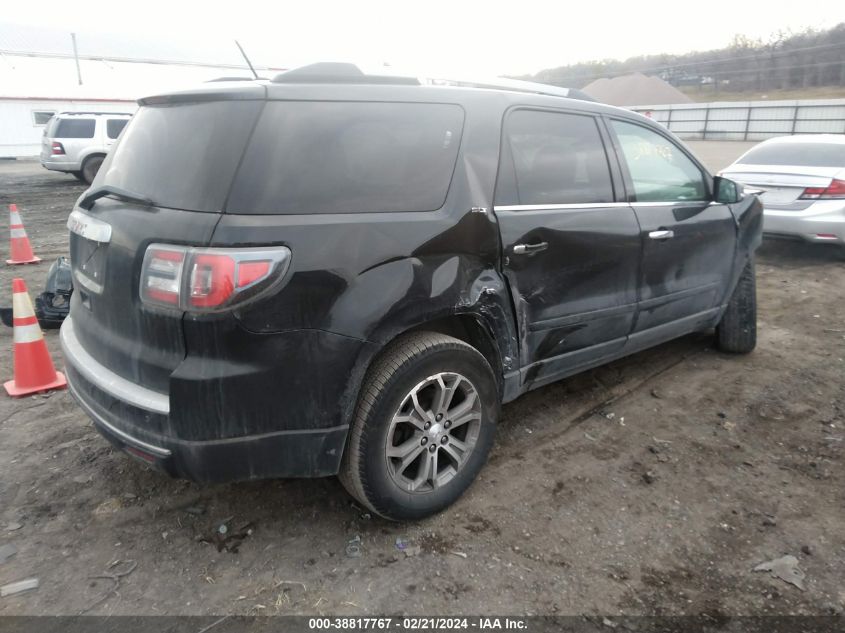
column 57, row 149
column 161, row 277
column 834, row 191
column 210, row 279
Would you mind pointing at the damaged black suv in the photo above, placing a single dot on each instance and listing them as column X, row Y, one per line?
column 339, row 273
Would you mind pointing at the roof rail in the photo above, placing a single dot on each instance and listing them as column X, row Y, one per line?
column 345, row 73
column 514, row 85
column 216, row 79
column 93, row 113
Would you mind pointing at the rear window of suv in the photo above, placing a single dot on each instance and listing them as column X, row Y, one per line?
column 348, row 157
column 75, row 128
column 182, row 155
column 810, row 154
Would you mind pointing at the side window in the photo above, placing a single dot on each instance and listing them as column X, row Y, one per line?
column 348, row 157
column 75, row 128
column 558, row 158
column 660, row 171
column 115, row 126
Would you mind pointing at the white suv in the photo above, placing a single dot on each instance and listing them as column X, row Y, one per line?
column 77, row 142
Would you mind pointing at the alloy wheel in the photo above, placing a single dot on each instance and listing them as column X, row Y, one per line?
column 433, row 433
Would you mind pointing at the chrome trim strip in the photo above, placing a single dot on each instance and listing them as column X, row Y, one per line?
column 676, row 203
column 106, row 379
column 552, row 207
column 89, row 284
column 90, row 228
column 129, row 439
column 598, row 205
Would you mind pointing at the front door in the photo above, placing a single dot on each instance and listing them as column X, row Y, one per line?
column 570, row 244
column 688, row 239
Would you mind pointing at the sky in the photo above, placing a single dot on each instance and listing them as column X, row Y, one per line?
column 435, row 37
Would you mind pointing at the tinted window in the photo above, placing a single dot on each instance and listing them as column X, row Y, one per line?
column 811, row 154
column 661, row 172
column 42, row 117
column 558, row 158
column 75, row 128
column 115, row 126
column 182, row 156
column 341, row 157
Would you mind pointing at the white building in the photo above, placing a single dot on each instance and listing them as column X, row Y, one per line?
column 40, row 76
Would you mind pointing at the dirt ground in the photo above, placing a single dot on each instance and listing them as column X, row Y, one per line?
column 653, row 485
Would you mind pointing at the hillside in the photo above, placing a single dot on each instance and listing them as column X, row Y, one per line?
column 794, row 64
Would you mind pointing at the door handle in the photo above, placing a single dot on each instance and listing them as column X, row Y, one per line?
column 528, row 249
column 661, row 235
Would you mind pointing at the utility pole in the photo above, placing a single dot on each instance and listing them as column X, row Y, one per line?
column 76, row 57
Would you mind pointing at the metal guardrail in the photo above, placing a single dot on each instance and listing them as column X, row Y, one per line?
column 749, row 120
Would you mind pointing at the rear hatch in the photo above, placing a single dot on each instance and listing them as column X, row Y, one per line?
column 181, row 153
column 47, row 139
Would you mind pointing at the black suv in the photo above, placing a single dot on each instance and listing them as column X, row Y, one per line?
column 335, row 273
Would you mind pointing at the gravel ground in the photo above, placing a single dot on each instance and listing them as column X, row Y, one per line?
column 653, row 485
column 717, row 155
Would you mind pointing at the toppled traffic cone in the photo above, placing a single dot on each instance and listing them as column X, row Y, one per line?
column 34, row 370
column 19, row 248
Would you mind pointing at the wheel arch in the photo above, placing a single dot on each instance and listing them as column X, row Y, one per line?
column 486, row 327
column 94, row 153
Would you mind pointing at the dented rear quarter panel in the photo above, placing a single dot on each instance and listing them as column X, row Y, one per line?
column 368, row 277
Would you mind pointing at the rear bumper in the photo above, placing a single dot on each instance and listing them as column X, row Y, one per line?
column 58, row 165
column 823, row 221
column 139, row 422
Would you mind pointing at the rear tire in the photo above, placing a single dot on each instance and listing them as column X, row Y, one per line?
column 78, row 175
column 90, row 168
column 423, row 427
column 737, row 331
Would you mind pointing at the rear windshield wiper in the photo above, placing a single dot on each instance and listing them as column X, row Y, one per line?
column 108, row 190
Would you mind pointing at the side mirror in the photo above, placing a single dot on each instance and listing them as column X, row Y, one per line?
column 726, row 191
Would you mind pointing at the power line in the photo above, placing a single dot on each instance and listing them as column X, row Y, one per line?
column 765, row 56
column 755, row 71
column 126, row 60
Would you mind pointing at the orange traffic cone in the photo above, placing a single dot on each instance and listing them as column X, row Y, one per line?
column 34, row 369
column 19, row 246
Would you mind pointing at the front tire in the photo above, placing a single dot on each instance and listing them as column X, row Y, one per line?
column 423, row 427
column 737, row 331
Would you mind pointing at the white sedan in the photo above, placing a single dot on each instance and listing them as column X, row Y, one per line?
column 802, row 179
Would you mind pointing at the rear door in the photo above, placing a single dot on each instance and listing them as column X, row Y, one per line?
column 571, row 246
column 688, row 239
column 183, row 157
